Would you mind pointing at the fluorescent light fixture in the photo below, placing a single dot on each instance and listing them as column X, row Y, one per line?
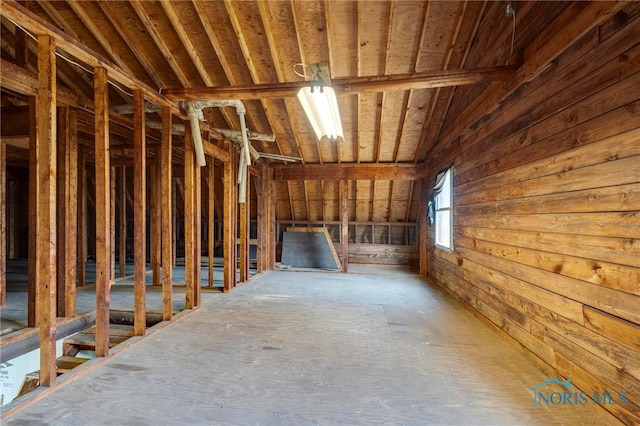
column 321, row 106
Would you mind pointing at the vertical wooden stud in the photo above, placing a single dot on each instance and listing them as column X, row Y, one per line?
column 67, row 211
column 189, row 218
column 174, row 221
column 167, row 215
column 32, row 288
column 122, row 195
column 260, row 214
column 271, row 220
column 234, row 214
column 46, row 208
column 197, row 236
column 344, row 214
column 71, row 219
column 82, row 217
column 112, row 222
column 139, row 215
column 422, row 230
column 103, row 205
column 229, row 239
column 155, row 225
column 244, row 232
column 210, row 229
column 3, row 224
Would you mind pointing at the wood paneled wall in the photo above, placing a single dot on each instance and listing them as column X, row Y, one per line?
column 547, row 212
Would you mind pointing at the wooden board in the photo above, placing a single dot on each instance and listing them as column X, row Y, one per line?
column 309, row 248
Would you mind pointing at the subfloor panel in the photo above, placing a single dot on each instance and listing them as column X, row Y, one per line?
column 314, row 348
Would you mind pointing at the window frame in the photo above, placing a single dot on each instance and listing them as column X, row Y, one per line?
column 444, row 206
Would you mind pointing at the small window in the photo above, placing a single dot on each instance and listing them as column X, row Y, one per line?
column 443, row 194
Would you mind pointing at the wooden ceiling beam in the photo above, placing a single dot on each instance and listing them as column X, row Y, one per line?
column 349, row 85
column 15, row 12
column 111, row 13
column 362, row 171
column 107, row 45
column 138, row 7
column 25, row 82
column 189, row 46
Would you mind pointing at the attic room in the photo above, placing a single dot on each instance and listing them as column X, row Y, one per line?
column 450, row 237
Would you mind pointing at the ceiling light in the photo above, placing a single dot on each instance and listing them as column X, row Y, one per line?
column 321, row 105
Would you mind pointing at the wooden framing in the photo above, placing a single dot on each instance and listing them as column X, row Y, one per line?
column 422, row 233
column 229, row 219
column 82, row 217
column 45, row 254
column 122, row 195
column 112, row 221
column 262, row 248
column 344, row 214
column 3, row 224
column 244, row 233
column 197, row 233
column 32, row 292
column 211, row 222
column 139, row 215
column 103, row 206
column 67, row 198
column 155, row 224
column 189, row 219
column 351, row 85
column 167, row 208
column 348, row 172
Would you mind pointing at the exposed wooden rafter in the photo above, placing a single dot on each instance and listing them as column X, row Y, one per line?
column 361, row 171
column 351, row 85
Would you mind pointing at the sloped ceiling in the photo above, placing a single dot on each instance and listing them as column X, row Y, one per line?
column 189, row 44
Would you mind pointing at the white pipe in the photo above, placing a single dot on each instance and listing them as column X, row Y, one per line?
column 242, row 178
column 254, row 152
column 197, row 137
column 253, row 136
column 245, row 139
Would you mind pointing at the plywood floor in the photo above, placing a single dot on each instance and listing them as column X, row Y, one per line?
column 379, row 346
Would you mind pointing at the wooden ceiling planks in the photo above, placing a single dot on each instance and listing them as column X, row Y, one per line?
column 182, row 44
column 169, row 46
column 341, row 18
column 124, row 18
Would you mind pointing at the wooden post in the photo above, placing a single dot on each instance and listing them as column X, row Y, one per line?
column 271, row 220
column 266, row 222
column 189, row 218
column 123, row 222
column 155, row 224
column 260, row 222
column 139, row 215
column 103, row 205
column 167, row 207
column 46, row 208
column 344, row 213
column 67, row 211
column 174, row 221
column 71, row 219
column 229, row 274
column 32, row 288
column 197, row 234
column 82, row 217
column 422, row 230
column 112, row 223
column 3, row 224
column 211, row 222
column 234, row 214
column 244, row 234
